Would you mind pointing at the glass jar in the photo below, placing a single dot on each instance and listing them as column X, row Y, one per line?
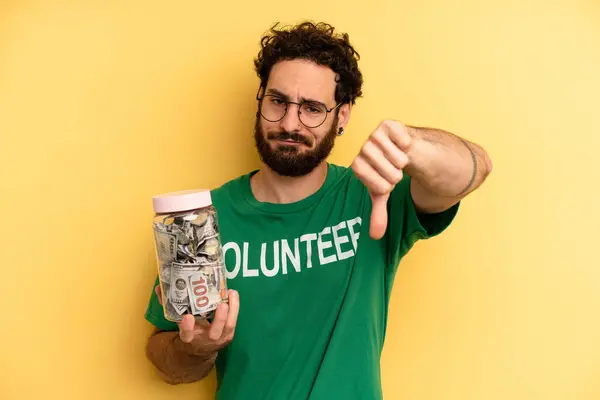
column 189, row 253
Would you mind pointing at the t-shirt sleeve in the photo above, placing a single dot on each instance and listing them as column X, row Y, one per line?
column 406, row 227
column 155, row 314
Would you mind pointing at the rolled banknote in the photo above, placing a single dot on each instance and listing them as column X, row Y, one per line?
column 209, row 247
column 166, row 246
column 170, row 312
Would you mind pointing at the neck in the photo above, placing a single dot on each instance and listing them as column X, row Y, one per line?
column 268, row 186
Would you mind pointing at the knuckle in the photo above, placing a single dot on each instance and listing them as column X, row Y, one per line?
column 405, row 160
column 224, row 341
column 399, row 176
column 230, row 327
column 387, row 123
column 368, row 149
column 379, row 135
column 400, row 159
column 364, row 149
column 384, row 187
column 357, row 165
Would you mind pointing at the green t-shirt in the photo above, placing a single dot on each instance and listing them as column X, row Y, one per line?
column 314, row 288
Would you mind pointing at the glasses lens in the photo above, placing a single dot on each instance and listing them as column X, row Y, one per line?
column 313, row 114
column 272, row 108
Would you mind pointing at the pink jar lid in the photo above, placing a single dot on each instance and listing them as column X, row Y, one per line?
column 181, row 201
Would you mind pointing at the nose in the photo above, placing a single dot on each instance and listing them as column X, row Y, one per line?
column 291, row 122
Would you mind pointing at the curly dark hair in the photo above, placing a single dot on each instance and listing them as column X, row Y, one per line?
column 318, row 43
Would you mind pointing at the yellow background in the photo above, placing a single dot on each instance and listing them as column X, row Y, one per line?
column 105, row 103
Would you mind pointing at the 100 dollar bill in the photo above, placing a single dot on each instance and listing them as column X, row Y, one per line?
column 203, row 291
column 195, row 286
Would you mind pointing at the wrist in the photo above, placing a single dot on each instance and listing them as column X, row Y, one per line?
column 416, row 139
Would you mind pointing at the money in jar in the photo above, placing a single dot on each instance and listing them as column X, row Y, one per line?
column 189, row 254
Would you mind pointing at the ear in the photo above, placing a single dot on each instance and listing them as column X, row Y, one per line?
column 344, row 115
column 260, row 92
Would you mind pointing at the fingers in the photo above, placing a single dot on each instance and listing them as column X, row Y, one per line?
column 384, row 154
column 376, row 184
column 379, row 165
column 186, row 328
column 218, row 324
column 386, row 149
column 225, row 320
column 234, row 307
column 379, row 216
column 384, row 162
column 214, row 334
column 392, row 151
column 379, row 190
column 398, row 133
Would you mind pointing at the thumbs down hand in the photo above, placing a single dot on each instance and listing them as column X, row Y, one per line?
column 379, row 165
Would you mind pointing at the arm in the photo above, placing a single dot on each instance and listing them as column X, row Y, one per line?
column 445, row 168
column 175, row 360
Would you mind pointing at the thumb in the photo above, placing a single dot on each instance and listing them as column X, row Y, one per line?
column 379, row 215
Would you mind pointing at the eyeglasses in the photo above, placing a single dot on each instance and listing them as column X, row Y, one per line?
column 274, row 108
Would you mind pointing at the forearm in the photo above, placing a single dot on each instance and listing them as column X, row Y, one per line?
column 445, row 164
column 174, row 362
column 444, row 167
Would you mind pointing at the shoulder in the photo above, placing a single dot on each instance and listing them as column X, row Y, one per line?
column 231, row 184
column 231, row 189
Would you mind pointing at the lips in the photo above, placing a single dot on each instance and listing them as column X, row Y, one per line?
column 289, row 141
column 289, row 138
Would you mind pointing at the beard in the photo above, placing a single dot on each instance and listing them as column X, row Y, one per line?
column 292, row 160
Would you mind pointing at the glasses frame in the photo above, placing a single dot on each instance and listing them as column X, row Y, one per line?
column 287, row 103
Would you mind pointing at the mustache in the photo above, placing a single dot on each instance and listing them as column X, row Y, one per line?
column 295, row 136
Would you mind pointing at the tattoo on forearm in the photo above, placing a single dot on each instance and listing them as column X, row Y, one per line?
column 474, row 174
column 451, row 143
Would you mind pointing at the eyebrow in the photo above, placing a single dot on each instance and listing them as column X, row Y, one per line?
column 287, row 98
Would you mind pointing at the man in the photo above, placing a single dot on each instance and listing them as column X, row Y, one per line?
column 312, row 248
